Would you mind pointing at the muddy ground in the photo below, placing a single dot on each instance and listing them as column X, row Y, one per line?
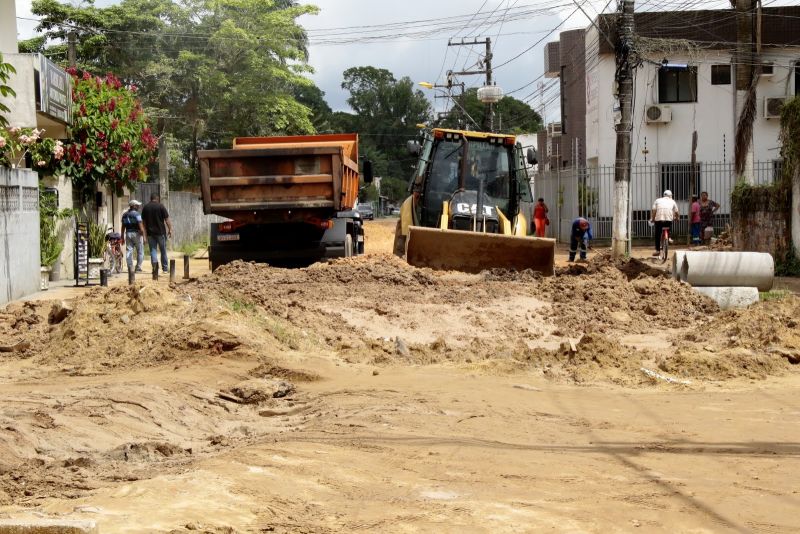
column 367, row 395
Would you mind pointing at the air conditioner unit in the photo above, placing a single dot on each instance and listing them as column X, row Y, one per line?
column 554, row 129
column 658, row 114
column 773, row 107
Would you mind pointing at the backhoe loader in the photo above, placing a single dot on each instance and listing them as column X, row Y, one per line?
column 463, row 212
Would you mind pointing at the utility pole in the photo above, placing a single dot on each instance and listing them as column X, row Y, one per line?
column 488, row 117
column 620, row 240
column 72, row 41
column 488, row 63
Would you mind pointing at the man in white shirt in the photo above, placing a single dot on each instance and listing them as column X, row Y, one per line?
column 663, row 212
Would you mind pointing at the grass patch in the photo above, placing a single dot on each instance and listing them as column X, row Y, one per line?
column 241, row 306
column 191, row 248
column 775, row 294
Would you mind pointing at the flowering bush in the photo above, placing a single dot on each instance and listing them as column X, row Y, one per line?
column 16, row 143
column 111, row 142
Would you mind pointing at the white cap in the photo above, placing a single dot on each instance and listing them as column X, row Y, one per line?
column 134, row 202
column 668, row 193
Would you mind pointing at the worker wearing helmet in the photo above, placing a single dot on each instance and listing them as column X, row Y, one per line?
column 579, row 237
column 133, row 234
column 663, row 212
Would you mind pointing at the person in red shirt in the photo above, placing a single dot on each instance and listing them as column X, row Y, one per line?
column 540, row 217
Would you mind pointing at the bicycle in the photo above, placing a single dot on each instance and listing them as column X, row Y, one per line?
column 113, row 257
column 664, row 244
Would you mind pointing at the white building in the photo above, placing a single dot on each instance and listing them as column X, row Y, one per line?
column 691, row 93
column 685, row 83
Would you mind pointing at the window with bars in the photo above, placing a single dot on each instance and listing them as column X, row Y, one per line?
column 677, row 84
column 677, row 177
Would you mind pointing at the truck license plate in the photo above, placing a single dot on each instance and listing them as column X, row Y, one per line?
column 227, row 237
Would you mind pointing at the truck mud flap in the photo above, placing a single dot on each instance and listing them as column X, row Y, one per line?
column 473, row 252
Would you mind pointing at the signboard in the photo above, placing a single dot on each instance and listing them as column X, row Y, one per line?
column 81, row 253
column 55, row 91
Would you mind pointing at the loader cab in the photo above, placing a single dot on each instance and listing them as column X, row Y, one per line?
column 470, row 172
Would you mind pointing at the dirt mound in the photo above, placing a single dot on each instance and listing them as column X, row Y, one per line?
column 773, row 324
column 383, row 268
column 595, row 357
column 755, row 342
column 627, row 297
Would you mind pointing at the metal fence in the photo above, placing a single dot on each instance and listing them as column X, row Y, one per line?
column 143, row 191
column 589, row 192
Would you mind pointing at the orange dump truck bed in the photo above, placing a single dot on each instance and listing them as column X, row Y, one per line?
column 269, row 179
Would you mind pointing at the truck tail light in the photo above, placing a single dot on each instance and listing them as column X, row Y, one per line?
column 325, row 224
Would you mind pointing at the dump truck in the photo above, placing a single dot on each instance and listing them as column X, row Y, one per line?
column 465, row 212
column 289, row 200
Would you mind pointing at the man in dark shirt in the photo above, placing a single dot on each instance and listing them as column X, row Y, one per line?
column 158, row 227
column 581, row 233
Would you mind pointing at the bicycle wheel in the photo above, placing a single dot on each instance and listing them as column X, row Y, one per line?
column 664, row 247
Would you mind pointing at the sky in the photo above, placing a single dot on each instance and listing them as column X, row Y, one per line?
column 424, row 57
column 514, row 27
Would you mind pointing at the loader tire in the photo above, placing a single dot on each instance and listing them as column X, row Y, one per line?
column 399, row 241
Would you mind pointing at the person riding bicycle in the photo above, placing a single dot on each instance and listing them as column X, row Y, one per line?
column 134, row 234
column 663, row 212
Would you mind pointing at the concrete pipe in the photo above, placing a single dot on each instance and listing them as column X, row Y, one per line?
column 730, row 297
column 677, row 263
column 728, row 269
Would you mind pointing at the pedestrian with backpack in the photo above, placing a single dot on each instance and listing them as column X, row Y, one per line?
column 133, row 235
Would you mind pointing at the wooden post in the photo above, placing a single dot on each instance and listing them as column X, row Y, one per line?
column 172, row 271
column 185, row 266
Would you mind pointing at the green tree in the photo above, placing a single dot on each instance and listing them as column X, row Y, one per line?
column 386, row 114
column 6, row 70
column 510, row 115
column 207, row 70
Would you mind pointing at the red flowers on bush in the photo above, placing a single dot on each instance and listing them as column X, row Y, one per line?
column 111, row 140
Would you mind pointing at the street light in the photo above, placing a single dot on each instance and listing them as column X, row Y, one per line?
column 429, row 85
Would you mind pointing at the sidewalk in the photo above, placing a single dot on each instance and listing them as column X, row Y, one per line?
column 66, row 289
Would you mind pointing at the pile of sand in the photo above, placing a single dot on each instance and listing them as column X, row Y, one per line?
column 379, row 310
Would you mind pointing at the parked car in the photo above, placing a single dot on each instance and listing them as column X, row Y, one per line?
column 366, row 211
column 395, row 212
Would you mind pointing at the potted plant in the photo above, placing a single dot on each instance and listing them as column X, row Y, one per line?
column 50, row 239
column 97, row 243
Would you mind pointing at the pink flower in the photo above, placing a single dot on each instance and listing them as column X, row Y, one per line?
column 14, row 130
column 25, row 140
column 2, row 142
column 114, row 124
column 41, row 163
column 87, row 76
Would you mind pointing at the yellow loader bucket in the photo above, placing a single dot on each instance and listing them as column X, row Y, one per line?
column 473, row 252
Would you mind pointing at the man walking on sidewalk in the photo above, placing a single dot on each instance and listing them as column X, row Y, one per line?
column 158, row 227
column 133, row 233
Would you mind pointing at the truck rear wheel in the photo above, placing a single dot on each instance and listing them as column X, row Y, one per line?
column 399, row 241
column 348, row 246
